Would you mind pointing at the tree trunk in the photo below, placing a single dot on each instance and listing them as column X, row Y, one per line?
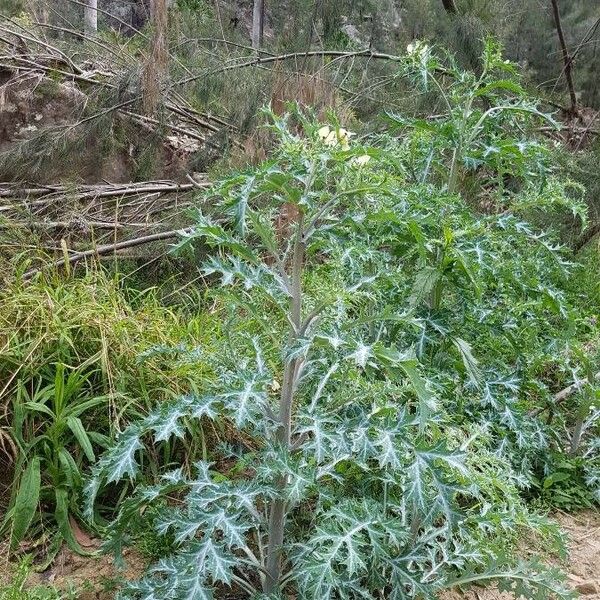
column 90, row 17
column 450, row 6
column 156, row 66
column 567, row 60
column 258, row 23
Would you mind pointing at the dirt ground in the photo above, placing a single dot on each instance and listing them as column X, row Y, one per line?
column 96, row 577
column 583, row 531
column 582, row 565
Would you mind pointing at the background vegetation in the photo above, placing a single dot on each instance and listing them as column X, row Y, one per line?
column 439, row 168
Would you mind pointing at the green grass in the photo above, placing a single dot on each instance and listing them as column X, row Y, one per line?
column 126, row 348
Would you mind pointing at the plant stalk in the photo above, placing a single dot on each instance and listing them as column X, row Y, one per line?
column 277, row 515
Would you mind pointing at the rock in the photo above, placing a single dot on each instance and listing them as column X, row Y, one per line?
column 352, row 32
column 588, row 588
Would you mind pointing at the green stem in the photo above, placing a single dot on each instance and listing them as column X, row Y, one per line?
column 582, row 412
column 277, row 513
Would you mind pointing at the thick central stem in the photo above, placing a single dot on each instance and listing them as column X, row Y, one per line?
column 277, row 514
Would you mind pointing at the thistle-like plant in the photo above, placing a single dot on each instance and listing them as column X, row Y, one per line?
column 347, row 477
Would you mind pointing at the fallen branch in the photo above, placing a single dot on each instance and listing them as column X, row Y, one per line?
column 96, row 191
column 145, row 119
column 41, row 191
column 48, row 65
column 81, row 224
column 107, row 249
column 572, row 128
column 132, row 190
column 262, row 60
column 567, row 392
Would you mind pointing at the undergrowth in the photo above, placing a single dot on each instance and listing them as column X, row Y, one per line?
column 82, row 357
column 17, row 589
column 362, row 401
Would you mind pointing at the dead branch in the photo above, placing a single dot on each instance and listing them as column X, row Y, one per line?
column 565, row 393
column 107, row 249
column 262, row 60
column 588, row 34
column 80, row 35
column 146, row 119
column 49, row 65
column 73, row 224
column 191, row 117
column 227, row 43
column 28, row 37
column 95, row 191
column 567, row 59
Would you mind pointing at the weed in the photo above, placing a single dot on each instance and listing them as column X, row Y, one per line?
column 17, row 588
column 349, row 294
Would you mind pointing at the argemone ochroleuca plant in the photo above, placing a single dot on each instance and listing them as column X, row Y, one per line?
column 381, row 339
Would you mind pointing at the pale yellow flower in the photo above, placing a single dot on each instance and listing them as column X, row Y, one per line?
column 331, row 139
column 362, row 160
column 324, row 132
column 417, row 48
column 335, row 137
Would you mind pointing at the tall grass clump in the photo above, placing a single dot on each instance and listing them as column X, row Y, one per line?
column 80, row 358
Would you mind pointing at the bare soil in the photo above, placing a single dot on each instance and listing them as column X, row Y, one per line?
column 582, row 565
column 95, row 577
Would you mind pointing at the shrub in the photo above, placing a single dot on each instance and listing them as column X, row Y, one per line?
column 358, row 479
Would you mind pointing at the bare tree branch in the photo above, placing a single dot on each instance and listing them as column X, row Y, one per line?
column 567, row 59
column 262, row 60
column 565, row 393
column 55, row 195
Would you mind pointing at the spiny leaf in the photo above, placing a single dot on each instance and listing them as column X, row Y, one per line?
column 120, row 460
column 167, row 422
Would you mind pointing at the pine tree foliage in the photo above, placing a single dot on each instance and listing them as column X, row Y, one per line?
column 381, row 464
